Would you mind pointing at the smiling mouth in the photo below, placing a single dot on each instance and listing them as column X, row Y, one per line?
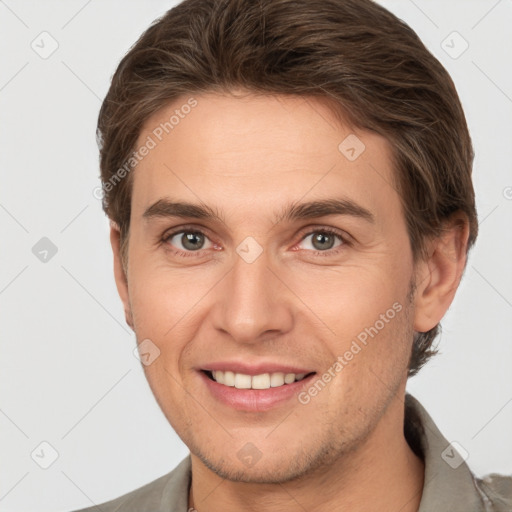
column 262, row 381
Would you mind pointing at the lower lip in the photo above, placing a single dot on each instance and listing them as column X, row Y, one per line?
column 254, row 399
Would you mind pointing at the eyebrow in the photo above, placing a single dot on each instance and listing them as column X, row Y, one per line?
column 164, row 208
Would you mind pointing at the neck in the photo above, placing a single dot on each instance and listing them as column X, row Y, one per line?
column 383, row 470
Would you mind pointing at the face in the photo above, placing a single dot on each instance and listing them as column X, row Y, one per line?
column 286, row 259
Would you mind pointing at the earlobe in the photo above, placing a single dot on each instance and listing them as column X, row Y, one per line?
column 120, row 274
column 438, row 278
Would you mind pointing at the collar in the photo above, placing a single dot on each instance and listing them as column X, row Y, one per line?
column 449, row 485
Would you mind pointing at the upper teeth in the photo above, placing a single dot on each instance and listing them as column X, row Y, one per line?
column 263, row 381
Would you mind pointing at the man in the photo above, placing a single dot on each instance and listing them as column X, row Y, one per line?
column 237, row 139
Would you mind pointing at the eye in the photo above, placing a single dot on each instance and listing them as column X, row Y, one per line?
column 324, row 240
column 186, row 241
column 190, row 242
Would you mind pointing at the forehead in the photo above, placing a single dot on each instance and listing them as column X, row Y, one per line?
column 252, row 151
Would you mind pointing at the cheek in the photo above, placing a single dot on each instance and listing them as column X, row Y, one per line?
column 160, row 297
column 163, row 313
column 364, row 313
column 348, row 299
column 169, row 306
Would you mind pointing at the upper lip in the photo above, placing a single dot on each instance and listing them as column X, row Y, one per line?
column 255, row 368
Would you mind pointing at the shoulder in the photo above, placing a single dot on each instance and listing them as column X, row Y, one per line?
column 168, row 492
column 496, row 491
column 148, row 495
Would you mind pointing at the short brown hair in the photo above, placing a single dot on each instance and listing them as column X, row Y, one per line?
column 368, row 64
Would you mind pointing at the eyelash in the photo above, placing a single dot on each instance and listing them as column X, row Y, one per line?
column 186, row 254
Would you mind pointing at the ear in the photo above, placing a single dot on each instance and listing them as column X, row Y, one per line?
column 438, row 278
column 119, row 273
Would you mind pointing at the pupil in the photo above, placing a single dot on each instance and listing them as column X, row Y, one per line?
column 321, row 237
column 189, row 239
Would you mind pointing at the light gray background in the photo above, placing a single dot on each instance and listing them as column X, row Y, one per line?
column 69, row 376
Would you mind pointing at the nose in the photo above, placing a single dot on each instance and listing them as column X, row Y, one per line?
column 253, row 303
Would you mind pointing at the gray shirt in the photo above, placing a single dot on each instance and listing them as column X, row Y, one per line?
column 449, row 485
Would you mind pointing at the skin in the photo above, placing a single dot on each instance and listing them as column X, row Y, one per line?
column 248, row 157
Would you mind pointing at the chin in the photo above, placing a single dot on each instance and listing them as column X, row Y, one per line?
column 278, row 469
column 264, row 474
